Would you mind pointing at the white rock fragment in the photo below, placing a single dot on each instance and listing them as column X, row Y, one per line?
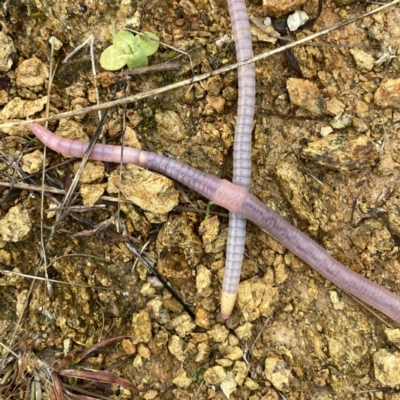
column 325, row 131
column 297, row 19
column 57, row 43
column 228, row 385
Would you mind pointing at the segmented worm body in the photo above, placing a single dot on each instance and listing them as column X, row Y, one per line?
column 241, row 151
column 239, row 201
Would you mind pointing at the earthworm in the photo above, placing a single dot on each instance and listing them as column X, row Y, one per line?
column 239, row 201
column 241, row 151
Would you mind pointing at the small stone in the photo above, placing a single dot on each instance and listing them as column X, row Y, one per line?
column 15, row 225
column 341, row 152
column 203, row 351
column 141, row 327
column 393, row 335
column 388, row 93
column 150, row 394
column 183, row 325
column 138, row 362
column 203, row 279
column 278, row 373
column 209, row 230
column 202, row 318
column 175, row 347
column 128, row 346
column 334, row 107
column 232, row 353
column 33, row 162
column 170, row 126
column 149, row 190
column 18, row 108
column 387, row 367
column 364, row 60
column 223, row 362
column 341, row 121
column 280, row 273
column 244, row 331
column 252, row 385
column 143, row 351
column 362, row 109
column 91, row 193
column 256, row 298
column 5, row 257
column 31, row 72
column 57, row 43
column 214, row 375
column 325, row 131
column 241, row 370
column 7, row 52
column 93, row 171
column 277, row 8
column 306, row 94
column 218, row 333
column 297, row 19
column 181, row 380
column 228, row 385
column 214, row 85
column 216, row 102
column 337, row 303
column 131, row 139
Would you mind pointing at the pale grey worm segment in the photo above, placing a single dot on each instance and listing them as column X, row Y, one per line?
column 239, row 201
column 241, row 152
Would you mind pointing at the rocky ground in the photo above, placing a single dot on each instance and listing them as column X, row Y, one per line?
column 325, row 156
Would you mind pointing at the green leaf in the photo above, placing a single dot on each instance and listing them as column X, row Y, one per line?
column 137, row 60
column 124, row 41
column 129, row 49
column 148, row 45
column 113, row 59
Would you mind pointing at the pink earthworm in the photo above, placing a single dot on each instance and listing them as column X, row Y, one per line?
column 239, row 201
column 241, row 151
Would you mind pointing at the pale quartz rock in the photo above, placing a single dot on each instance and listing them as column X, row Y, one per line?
column 297, row 19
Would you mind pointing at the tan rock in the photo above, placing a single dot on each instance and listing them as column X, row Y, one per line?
column 306, row 95
column 214, row 375
column 31, row 72
column 149, row 190
column 33, row 162
column 170, row 126
column 278, row 373
column 141, row 327
column 387, row 367
column 388, row 93
column 277, row 8
column 15, row 225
